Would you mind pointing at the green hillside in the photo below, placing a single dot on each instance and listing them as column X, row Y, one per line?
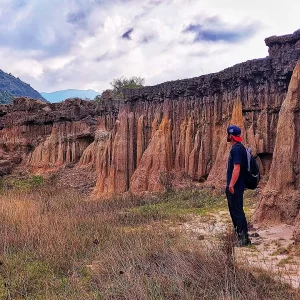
column 16, row 87
column 6, row 97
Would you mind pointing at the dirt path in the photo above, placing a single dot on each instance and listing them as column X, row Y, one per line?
column 272, row 248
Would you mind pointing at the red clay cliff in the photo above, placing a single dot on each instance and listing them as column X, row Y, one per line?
column 175, row 126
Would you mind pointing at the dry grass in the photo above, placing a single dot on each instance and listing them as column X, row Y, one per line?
column 59, row 245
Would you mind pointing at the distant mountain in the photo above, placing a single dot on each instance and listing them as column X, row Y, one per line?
column 6, row 97
column 16, row 87
column 65, row 94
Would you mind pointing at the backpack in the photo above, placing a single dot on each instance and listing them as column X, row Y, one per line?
column 252, row 176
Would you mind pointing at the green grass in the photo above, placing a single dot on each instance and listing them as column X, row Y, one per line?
column 21, row 184
column 24, row 276
column 176, row 205
column 179, row 205
column 21, row 276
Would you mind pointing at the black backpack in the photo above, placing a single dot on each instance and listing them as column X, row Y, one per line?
column 252, row 177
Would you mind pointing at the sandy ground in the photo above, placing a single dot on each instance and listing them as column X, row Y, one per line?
column 272, row 248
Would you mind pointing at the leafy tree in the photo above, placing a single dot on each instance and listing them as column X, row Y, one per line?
column 119, row 84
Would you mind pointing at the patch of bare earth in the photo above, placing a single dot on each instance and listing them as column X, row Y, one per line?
column 272, row 248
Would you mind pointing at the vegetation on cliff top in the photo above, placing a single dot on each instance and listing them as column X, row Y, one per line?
column 118, row 84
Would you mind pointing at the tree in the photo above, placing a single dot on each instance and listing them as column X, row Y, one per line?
column 119, row 84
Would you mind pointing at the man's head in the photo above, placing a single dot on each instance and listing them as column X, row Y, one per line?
column 234, row 134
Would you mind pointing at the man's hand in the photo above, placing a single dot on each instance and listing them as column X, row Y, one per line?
column 231, row 189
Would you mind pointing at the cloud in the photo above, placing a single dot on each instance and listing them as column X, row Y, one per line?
column 110, row 56
column 85, row 44
column 155, row 2
column 148, row 38
column 78, row 18
column 214, row 29
column 52, row 27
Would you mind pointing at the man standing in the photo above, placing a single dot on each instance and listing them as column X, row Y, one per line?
column 235, row 184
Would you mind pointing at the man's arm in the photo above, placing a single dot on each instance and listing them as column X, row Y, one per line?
column 234, row 177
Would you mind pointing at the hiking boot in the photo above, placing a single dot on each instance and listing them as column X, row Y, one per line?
column 243, row 241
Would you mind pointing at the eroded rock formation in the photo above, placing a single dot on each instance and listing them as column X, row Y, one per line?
column 155, row 162
column 44, row 136
column 281, row 197
column 177, row 126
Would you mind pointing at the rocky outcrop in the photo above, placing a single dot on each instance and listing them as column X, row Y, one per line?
column 199, row 109
column 155, row 162
column 175, row 127
column 45, row 136
column 280, row 201
column 216, row 175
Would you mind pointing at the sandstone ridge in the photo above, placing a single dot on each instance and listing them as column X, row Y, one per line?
column 174, row 127
column 280, row 198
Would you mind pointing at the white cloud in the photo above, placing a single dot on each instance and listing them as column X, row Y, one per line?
column 78, row 44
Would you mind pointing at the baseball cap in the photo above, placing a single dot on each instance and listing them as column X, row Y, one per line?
column 235, row 131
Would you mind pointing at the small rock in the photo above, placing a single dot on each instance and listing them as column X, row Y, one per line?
column 201, row 237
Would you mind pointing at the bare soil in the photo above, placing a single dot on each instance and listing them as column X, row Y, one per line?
column 272, row 248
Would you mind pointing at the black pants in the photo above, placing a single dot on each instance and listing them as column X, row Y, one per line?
column 236, row 210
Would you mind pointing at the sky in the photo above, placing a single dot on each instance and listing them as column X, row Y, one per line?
column 85, row 44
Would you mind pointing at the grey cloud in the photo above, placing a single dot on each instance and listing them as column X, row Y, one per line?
column 64, row 77
column 54, row 27
column 110, row 56
column 214, row 30
column 147, row 8
column 46, row 28
column 148, row 38
column 155, row 2
column 104, row 2
column 19, row 3
column 78, row 18
column 29, row 38
column 72, row 30
column 199, row 54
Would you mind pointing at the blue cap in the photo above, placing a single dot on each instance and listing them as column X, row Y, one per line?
column 235, row 131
